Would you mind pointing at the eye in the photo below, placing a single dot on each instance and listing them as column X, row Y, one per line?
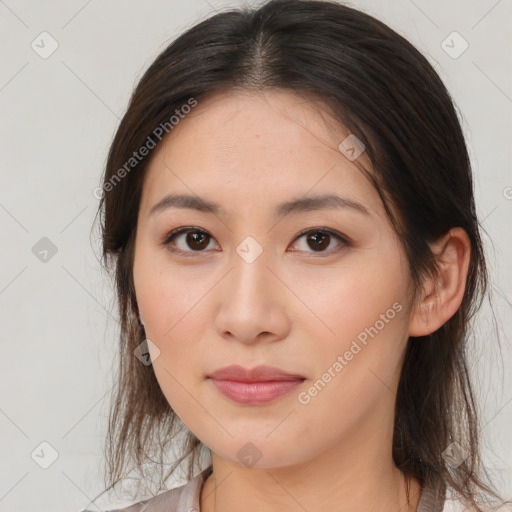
column 319, row 239
column 198, row 240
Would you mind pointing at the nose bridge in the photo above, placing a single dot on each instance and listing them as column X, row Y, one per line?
column 250, row 274
column 249, row 303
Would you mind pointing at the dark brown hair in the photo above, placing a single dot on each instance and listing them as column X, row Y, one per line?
column 386, row 93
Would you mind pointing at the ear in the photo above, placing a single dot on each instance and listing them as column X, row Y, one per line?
column 442, row 295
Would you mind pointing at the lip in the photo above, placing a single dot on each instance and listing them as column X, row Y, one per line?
column 252, row 386
column 261, row 373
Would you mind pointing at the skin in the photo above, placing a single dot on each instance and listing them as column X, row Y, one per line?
column 293, row 307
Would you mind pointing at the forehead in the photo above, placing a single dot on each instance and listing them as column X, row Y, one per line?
column 278, row 119
column 244, row 148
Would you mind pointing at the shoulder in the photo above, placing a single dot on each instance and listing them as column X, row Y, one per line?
column 184, row 498
column 454, row 504
column 436, row 499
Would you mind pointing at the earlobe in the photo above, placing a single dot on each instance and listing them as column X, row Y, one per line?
column 443, row 294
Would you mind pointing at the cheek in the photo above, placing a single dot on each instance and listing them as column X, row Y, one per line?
column 168, row 295
column 176, row 321
column 175, row 327
column 345, row 301
column 172, row 309
column 360, row 323
column 355, row 373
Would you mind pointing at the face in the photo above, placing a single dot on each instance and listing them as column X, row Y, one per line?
column 322, row 293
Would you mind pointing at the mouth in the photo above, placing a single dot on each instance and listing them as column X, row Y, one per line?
column 259, row 385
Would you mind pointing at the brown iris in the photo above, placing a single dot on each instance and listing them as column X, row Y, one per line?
column 200, row 239
column 319, row 240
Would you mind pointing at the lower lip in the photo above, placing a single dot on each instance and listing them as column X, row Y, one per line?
column 253, row 393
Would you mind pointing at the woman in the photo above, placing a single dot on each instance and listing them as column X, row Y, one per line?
column 288, row 206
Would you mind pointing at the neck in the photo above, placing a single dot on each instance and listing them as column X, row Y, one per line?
column 355, row 476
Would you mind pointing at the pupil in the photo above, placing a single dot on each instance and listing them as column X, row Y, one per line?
column 195, row 238
column 320, row 245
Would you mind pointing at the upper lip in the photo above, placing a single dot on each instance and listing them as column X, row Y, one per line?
column 260, row 373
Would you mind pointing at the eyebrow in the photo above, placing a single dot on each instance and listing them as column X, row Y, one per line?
column 303, row 204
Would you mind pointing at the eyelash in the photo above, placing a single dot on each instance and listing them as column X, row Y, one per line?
column 173, row 234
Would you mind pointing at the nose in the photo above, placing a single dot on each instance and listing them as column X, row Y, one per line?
column 252, row 302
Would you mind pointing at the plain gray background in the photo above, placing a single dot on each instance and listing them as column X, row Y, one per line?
column 59, row 113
